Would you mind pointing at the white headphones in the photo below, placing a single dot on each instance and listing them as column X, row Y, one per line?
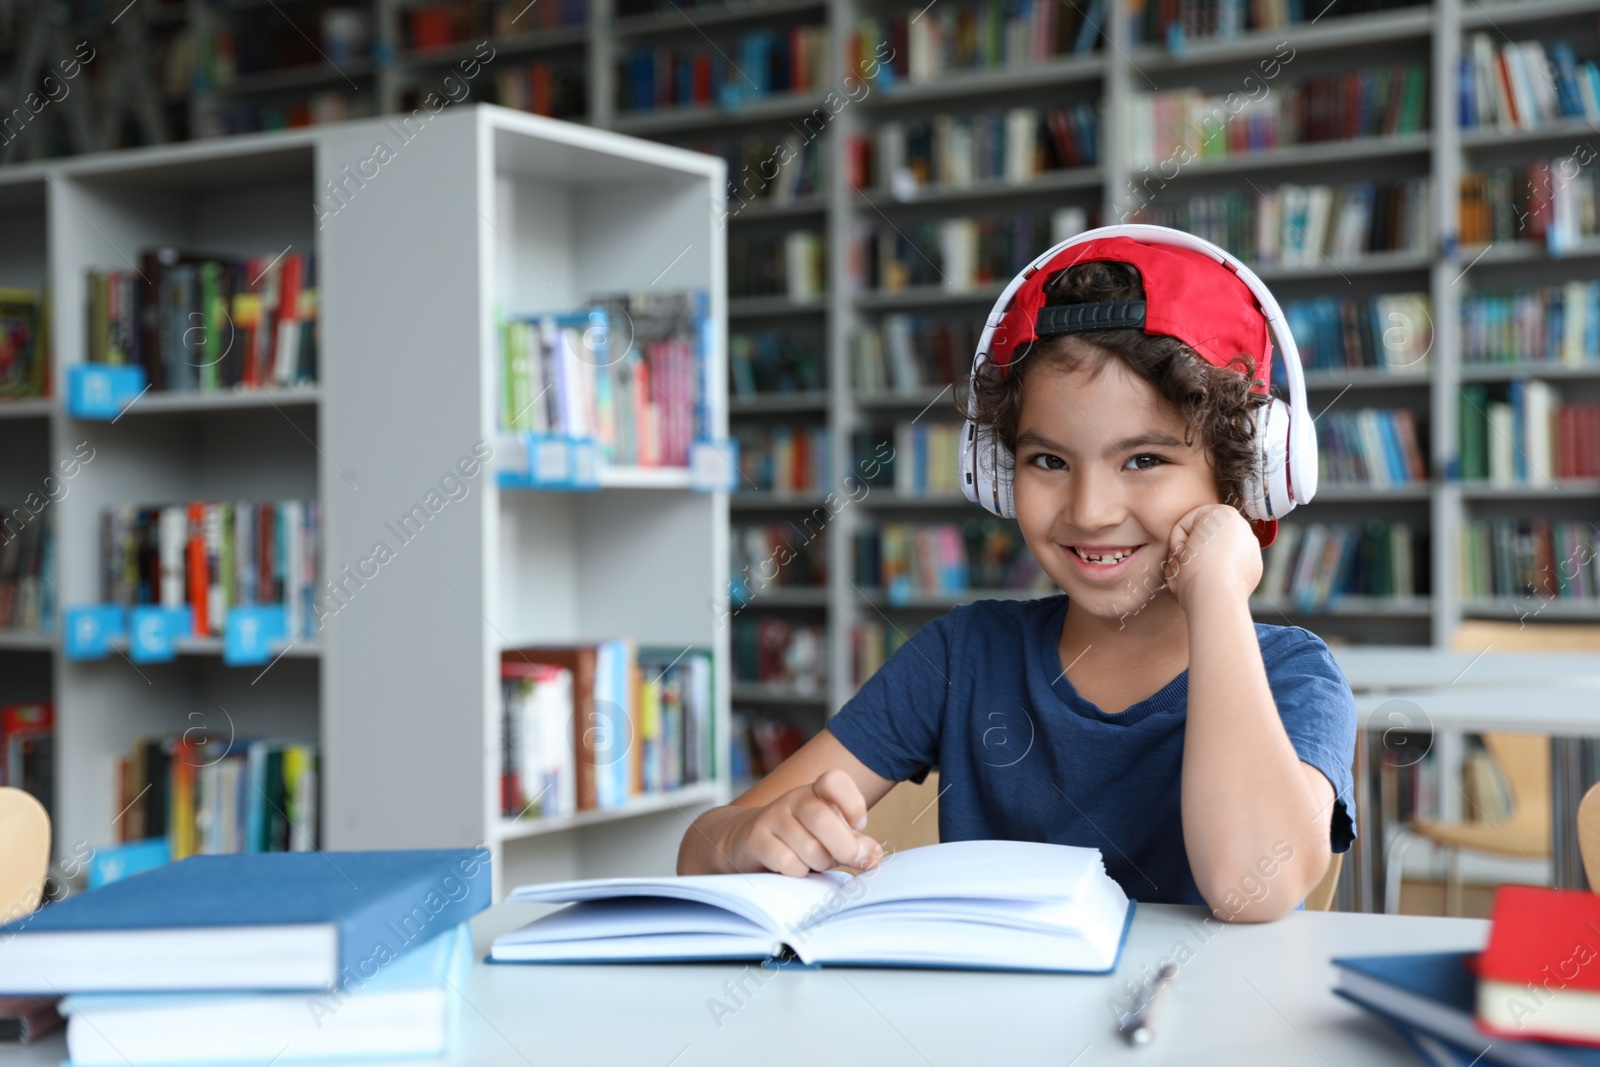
column 1285, row 440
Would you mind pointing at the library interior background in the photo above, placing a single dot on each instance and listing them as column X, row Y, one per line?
column 347, row 440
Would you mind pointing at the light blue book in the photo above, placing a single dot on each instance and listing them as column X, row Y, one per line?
column 408, row 1006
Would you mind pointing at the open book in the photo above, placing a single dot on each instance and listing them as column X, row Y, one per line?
column 1003, row 905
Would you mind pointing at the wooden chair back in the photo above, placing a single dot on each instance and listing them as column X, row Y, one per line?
column 1589, row 835
column 24, row 853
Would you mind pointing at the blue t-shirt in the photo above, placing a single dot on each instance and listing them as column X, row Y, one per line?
column 980, row 694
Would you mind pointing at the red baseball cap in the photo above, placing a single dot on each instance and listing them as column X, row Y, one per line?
column 1187, row 295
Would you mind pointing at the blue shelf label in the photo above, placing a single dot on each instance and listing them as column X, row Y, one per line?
column 112, row 863
column 90, row 629
column 585, row 455
column 714, row 466
column 153, row 632
column 548, row 461
column 249, row 634
column 100, row 391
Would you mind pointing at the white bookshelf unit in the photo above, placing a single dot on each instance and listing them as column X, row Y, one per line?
column 504, row 212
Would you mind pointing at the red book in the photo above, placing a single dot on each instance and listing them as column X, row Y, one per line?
column 580, row 660
column 1539, row 976
column 1503, row 77
column 1589, row 440
column 797, row 62
column 1540, row 205
column 199, row 575
column 702, row 78
column 1061, row 137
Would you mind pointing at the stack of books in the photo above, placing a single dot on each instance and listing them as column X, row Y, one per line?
column 199, row 321
column 628, row 372
column 1527, row 1000
column 27, row 547
column 24, row 348
column 213, row 556
column 281, row 958
column 1528, row 438
column 204, row 793
column 587, row 726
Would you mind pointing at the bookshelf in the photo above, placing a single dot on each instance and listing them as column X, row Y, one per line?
column 1442, row 266
column 400, row 688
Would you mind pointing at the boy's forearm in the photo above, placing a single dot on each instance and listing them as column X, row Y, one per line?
column 1256, row 841
column 702, row 851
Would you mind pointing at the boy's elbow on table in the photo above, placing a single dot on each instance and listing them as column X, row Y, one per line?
column 1270, row 888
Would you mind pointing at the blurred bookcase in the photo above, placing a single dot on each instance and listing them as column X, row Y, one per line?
column 741, row 79
column 400, row 687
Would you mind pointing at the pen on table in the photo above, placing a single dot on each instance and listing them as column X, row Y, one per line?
column 1138, row 1026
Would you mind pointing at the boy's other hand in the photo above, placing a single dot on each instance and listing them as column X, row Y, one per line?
column 812, row 827
column 1212, row 552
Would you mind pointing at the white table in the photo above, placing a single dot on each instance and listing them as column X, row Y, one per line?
column 1555, row 693
column 1249, row 995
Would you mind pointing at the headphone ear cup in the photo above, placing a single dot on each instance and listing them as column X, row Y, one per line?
column 1267, row 493
column 1004, row 482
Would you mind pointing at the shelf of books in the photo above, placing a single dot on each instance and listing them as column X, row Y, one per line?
column 547, row 635
column 1417, row 188
column 258, row 591
column 187, row 702
column 30, row 487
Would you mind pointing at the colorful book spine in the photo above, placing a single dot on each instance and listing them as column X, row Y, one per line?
column 925, row 46
column 904, row 559
column 1015, row 146
column 1521, row 434
column 1312, row 564
column 769, row 63
column 906, row 353
column 780, row 653
column 213, row 794
column 212, row 557
column 783, row 458
column 1295, row 225
column 792, row 265
column 24, row 345
column 1370, row 447
column 207, row 323
column 1529, row 558
column 1190, row 124
column 629, row 373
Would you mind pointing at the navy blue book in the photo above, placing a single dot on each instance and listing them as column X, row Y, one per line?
column 253, row 921
column 1437, row 994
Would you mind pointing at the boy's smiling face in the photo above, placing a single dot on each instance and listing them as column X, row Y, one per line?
column 1102, row 476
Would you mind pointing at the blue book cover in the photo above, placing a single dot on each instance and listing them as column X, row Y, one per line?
column 429, row 967
column 269, row 921
column 409, row 1007
column 1437, row 993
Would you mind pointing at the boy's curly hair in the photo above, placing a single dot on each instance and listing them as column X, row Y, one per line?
column 1217, row 403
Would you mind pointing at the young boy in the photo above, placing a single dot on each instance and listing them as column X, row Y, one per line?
column 1142, row 712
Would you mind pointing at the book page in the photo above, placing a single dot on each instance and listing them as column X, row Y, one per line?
column 775, row 902
column 978, row 870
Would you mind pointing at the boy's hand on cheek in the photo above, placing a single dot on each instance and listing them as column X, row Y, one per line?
column 812, row 827
column 1211, row 552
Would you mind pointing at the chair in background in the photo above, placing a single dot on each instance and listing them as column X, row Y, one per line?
column 1589, row 836
column 1321, row 896
column 1524, row 762
column 907, row 816
column 24, row 853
